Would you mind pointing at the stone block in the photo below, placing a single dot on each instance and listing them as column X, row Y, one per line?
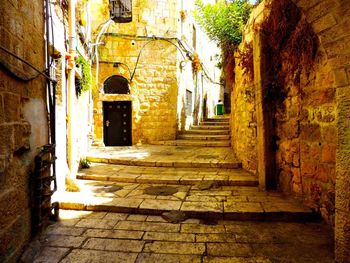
column 324, row 23
column 11, row 107
column 87, row 255
column 320, row 10
column 328, row 153
column 229, row 249
column 340, row 78
column 114, row 245
column 2, row 112
column 175, row 248
column 310, row 132
column 6, row 139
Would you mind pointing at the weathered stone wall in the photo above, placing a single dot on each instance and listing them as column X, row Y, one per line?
column 314, row 127
column 306, row 129
column 154, row 86
column 243, row 96
column 243, row 119
column 23, row 119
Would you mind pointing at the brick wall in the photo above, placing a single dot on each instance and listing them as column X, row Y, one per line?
column 23, row 122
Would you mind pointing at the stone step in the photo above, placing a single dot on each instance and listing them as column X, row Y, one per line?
column 166, row 156
column 198, row 143
column 167, row 163
column 218, row 119
column 225, row 202
column 204, row 137
column 210, row 127
column 207, row 132
column 164, row 175
column 214, row 123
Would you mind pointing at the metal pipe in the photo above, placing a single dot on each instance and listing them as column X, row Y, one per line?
column 71, row 148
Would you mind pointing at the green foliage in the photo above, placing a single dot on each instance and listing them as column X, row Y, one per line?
column 223, row 21
column 84, row 163
column 86, row 80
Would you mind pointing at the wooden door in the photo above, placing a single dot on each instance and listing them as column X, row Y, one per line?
column 117, row 123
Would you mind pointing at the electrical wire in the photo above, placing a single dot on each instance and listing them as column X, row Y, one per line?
column 28, row 64
column 181, row 47
column 150, row 41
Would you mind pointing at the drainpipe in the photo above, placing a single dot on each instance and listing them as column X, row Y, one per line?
column 71, row 118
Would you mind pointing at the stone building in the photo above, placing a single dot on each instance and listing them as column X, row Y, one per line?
column 23, row 118
column 145, row 68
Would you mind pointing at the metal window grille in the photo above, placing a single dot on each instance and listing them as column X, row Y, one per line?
column 121, row 10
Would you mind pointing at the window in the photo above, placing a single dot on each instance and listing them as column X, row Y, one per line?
column 121, row 10
column 188, row 103
column 116, row 85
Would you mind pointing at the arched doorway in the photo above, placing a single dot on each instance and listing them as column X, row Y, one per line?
column 117, row 115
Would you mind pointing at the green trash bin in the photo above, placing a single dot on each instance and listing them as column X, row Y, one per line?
column 220, row 108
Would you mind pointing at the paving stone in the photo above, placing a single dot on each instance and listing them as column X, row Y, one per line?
column 64, row 230
column 175, row 248
column 114, row 245
column 167, row 205
column 202, row 206
column 155, row 219
column 51, row 254
column 235, row 260
column 167, row 258
column 201, row 229
column 122, row 234
column 222, row 237
column 96, row 256
column 64, row 241
column 134, row 217
column 283, row 207
column 229, row 249
column 169, row 236
column 97, row 223
column 148, row 226
column 243, row 207
column 116, row 216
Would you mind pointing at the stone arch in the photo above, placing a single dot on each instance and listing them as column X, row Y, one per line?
column 116, row 85
column 330, row 20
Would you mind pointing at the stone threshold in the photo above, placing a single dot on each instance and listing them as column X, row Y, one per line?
column 200, row 143
column 228, row 202
column 205, row 137
column 150, row 163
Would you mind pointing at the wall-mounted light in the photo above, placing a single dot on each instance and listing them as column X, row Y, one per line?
column 182, row 64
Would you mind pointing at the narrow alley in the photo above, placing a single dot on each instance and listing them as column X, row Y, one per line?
column 185, row 203
column 174, row 131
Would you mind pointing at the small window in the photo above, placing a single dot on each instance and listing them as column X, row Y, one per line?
column 188, row 103
column 116, row 85
column 120, row 10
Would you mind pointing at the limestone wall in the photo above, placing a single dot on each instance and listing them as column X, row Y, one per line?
column 153, row 90
column 23, row 120
column 304, row 131
column 158, row 89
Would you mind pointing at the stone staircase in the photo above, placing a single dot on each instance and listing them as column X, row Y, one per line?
column 194, row 179
column 214, row 132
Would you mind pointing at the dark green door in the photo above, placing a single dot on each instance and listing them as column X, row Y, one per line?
column 117, row 123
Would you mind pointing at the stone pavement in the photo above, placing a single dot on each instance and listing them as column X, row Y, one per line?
column 166, row 156
column 82, row 236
